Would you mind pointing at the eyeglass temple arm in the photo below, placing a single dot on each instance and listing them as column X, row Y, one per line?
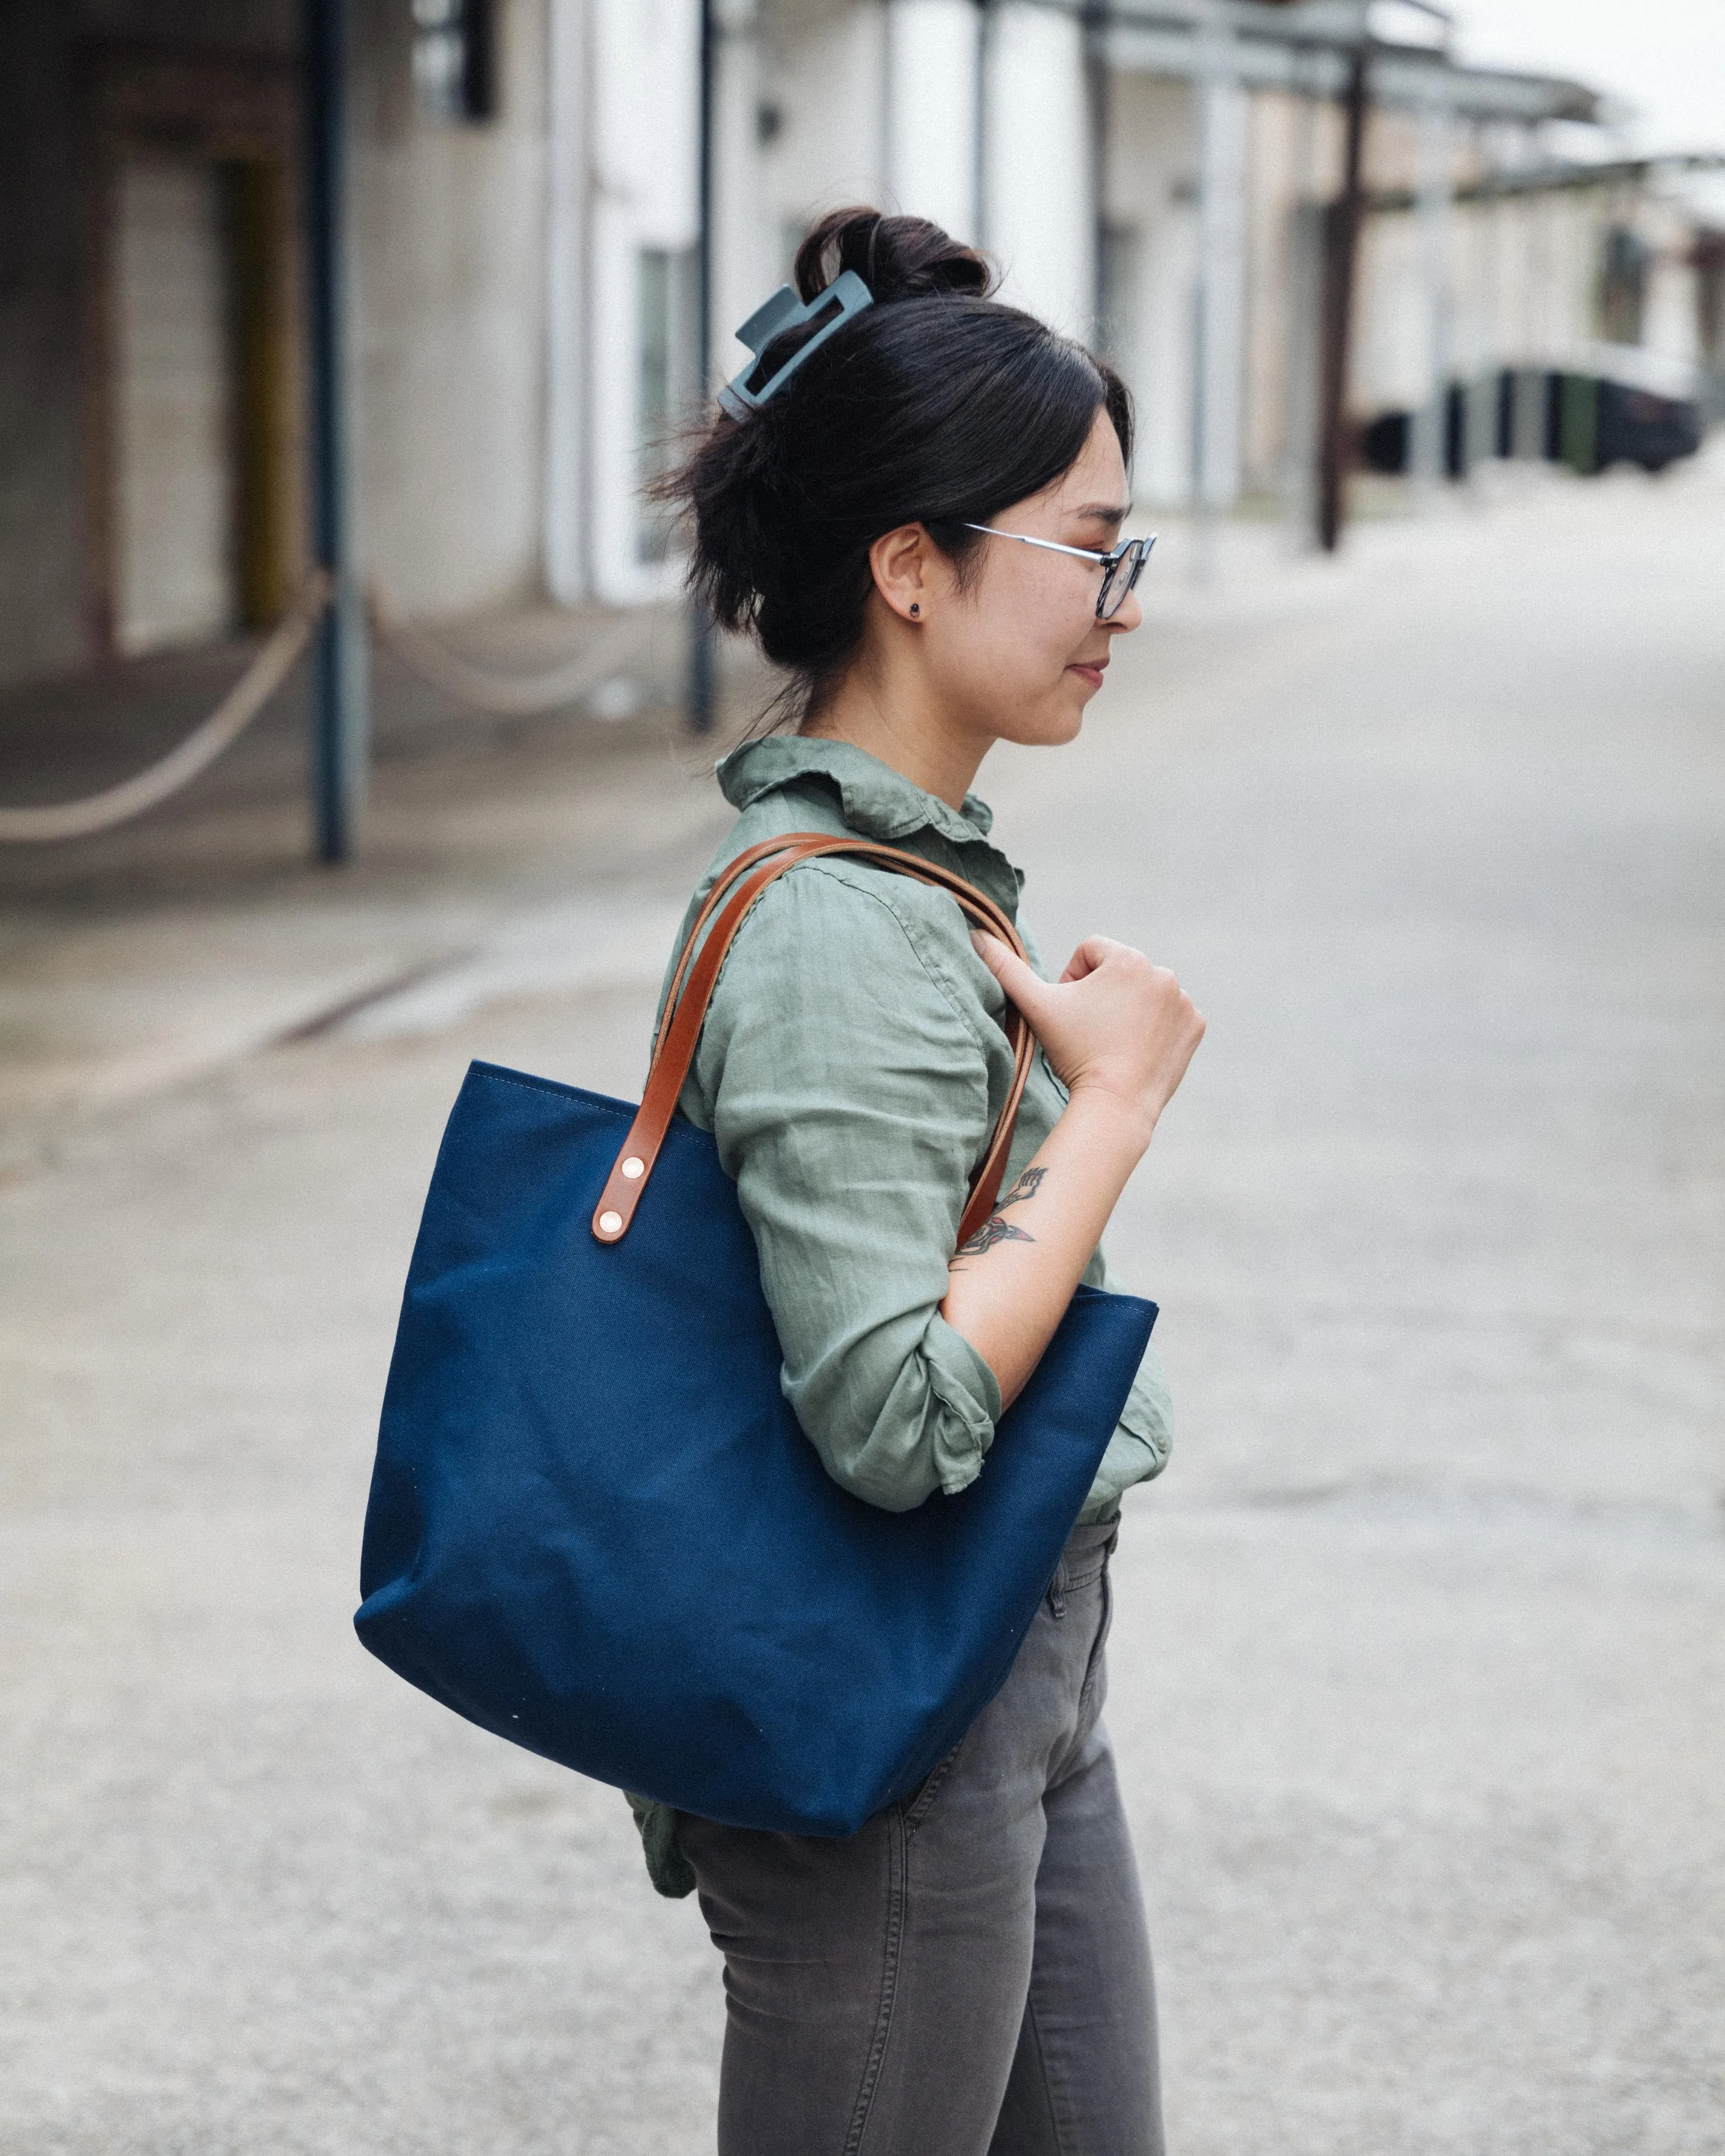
column 1054, row 545
column 1115, row 556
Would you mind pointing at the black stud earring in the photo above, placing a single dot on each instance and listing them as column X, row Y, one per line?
column 915, row 609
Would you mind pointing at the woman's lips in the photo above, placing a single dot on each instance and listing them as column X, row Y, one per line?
column 1088, row 670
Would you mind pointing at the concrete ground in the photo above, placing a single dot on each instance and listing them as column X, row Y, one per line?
column 1419, row 1669
column 170, row 945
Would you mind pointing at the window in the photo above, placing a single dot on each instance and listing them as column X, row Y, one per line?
column 665, row 317
column 452, row 60
column 1118, row 293
column 1709, row 260
column 173, row 406
column 1623, row 285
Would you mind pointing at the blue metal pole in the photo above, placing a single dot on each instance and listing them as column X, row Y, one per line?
column 340, row 717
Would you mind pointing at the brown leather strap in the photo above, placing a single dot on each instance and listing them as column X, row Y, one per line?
column 734, row 893
column 722, row 884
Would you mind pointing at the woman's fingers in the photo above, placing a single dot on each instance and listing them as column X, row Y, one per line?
column 1013, row 973
column 1114, row 1021
column 1095, row 950
column 1023, row 983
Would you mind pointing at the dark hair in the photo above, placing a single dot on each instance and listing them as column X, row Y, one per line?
column 936, row 405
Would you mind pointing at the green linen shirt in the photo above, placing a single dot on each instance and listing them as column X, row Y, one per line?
column 851, row 1067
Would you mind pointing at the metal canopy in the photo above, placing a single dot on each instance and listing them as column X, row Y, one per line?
column 1308, row 46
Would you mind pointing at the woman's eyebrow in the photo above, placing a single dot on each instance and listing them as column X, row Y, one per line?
column 1106, row 512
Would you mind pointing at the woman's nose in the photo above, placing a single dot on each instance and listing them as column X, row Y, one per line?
column 1131, row 615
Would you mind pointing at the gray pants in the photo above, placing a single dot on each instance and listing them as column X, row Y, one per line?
column 969, row 1975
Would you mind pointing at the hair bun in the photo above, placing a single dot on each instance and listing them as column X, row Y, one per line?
column 897, row 258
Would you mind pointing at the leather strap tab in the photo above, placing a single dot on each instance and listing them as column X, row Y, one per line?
column 734, row 893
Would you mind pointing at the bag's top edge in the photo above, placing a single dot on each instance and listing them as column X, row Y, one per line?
column 500, row 1074
column 1085, row 1293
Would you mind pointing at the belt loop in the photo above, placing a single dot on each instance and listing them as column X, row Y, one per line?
column 1057, row 1590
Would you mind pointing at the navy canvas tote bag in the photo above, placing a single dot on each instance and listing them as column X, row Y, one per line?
column 595, row 1526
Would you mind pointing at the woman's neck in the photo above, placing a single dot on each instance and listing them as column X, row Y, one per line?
column 897, row 721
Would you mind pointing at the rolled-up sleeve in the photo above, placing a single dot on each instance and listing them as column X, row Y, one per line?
column 849, row 1094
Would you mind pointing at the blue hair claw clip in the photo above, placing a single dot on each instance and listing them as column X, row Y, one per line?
column 829, row 311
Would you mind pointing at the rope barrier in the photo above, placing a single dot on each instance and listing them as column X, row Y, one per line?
column 100, row 811
column 515, row 697
column 505, row 695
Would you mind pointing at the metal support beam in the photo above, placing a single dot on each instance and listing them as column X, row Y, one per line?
column 568, row 284
column 341, row 718
column 701, row 688
column 1220, row 124
column 1099, row 100
column 1203, row 292
column 1428, row 459
column 981, row 144
column 1341, row 238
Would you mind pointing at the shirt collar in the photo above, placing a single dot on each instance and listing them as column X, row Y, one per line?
column 879, row 802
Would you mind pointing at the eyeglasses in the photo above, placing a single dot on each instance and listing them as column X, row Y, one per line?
column 1121, row 567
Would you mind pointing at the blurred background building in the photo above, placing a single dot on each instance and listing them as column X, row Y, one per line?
column 1308, row 233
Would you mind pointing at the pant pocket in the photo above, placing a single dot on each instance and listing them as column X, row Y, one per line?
column 916, row 1806
column 1096, row 1681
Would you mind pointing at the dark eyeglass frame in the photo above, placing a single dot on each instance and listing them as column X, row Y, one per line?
column 1130, row 555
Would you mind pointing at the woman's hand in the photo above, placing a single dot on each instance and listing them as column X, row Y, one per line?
column 1120, row 1033
column 1113, row 1025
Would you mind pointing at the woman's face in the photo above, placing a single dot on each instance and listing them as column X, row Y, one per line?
column 1018, row 655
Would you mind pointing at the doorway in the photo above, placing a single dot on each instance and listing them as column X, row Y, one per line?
column 172, row 409
column 195, row 395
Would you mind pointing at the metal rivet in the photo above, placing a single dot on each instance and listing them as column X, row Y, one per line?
column 610, row 1223
column 634, row 1169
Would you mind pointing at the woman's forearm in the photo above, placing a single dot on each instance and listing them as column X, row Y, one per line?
column 1120, row 1032
column 1010, row 1285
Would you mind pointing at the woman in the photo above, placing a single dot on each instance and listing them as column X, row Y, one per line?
column 918, row 523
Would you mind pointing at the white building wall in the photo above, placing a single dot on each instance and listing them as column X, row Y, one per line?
column 449, row 228
column 1507, row 315
column 1219, row 291
column 1278, row 127
column 568, row 123
column 1554, row 229
column 744, row 238
column 1391, row 358
column 824, row 85
column 1473, row 291
column 1565, row 315
column 1671, row 324
column 1038, row 212
column 646, row 78
column 1152, row 170
column 932, row 85
column 1509, row 267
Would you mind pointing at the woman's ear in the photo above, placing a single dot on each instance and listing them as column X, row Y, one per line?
column 899, row 562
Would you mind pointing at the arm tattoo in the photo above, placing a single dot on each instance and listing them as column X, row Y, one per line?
column 998, row 1230
column 993, row 1230
column 1027, row 1186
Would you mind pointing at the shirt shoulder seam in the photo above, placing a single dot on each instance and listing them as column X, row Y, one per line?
column 942, row 987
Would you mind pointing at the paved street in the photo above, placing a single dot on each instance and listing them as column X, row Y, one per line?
column 1419, row 1666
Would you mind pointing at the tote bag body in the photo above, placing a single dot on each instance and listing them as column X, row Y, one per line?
column 596, row 1527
